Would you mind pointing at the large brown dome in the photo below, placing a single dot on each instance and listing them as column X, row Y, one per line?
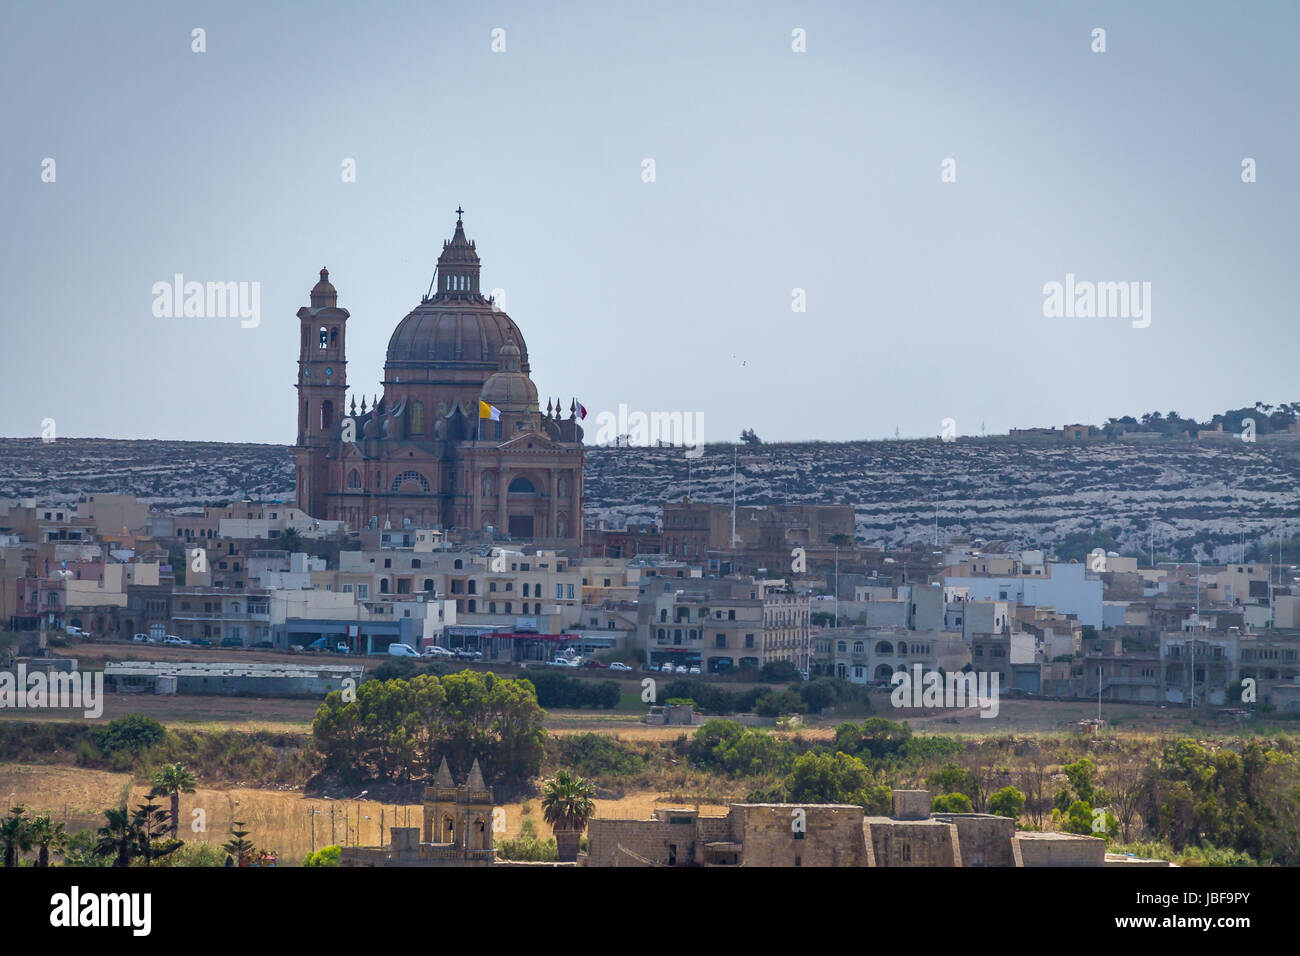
column 459, row 327
column 453, row 334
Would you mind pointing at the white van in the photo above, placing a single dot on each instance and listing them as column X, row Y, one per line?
column 398, row 649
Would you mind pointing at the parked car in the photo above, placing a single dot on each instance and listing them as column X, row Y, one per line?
column 466, row 654
column 398, row 649
column 564, row 662
column 341, row 647
column 140, row 638
column 681, row 668
column 692, row 670
column 264, row 645
column 201, row 642
column 666, row 668
column 436, row 650
column 592, row 662
column 619, row 666
column 72, row 631
column 173, row 639
column 231, row 642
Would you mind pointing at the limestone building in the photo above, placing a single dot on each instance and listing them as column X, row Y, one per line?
column 421, row 455
column 753, row 834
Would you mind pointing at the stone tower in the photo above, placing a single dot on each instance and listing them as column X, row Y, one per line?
column 459, row 817
column 322, row 389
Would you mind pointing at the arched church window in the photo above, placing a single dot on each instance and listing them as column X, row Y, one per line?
column 411, row 476
column 354, row 479
column 417, row 418
column 326, row 414
column 334, row 335
column 522, row 486
column 324, row 337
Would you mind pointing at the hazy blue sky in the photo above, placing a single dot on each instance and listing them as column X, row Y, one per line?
column 775, row 170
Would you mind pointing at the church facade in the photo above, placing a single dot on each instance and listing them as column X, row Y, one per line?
column 421, row 454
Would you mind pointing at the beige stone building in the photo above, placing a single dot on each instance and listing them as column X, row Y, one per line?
column 798, row 835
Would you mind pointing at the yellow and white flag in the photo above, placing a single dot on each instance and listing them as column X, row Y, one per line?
column 489, row 411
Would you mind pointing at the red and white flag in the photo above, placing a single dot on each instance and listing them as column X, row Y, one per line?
column 582, row 411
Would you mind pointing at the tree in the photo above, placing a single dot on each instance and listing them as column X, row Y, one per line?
column 567, row 804
column 172, row 780
column 950, row 778
column 291, row 540
column 48, row 837
column 397, row 729
column 749, row 438
column 1007, row 802
column 238, row 847
column 15, row 834
column 119, row 837
column 836, row 778
column 152, row 826
column 951, row 803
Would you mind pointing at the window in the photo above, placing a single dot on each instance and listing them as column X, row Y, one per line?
column 417, row 418
column 412, row 476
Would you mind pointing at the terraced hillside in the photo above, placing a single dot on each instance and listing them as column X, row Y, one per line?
column 1202, row 499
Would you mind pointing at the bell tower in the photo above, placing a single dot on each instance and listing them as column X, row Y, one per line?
column 322, row 388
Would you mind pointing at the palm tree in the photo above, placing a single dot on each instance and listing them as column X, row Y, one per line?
column 172, row 780
column 291, row 540
column 119, row 837
column 46, row 836
column 15, row 834
column 567, row 805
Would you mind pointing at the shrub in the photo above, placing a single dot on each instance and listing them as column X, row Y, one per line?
column 951, row 803
column 728, row 747
column 325, row 856
column 597, row 755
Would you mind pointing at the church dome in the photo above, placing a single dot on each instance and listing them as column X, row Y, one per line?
column 458, row 327
column 509, row 389
column 437, row 334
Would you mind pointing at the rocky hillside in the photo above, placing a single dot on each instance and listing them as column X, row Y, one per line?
column 1202, row 497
